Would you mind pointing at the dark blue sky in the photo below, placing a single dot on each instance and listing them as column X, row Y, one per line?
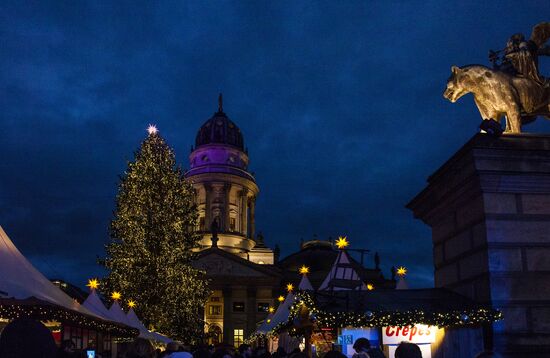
column 340, row 104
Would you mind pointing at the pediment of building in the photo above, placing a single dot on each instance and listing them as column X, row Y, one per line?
column 219, row 263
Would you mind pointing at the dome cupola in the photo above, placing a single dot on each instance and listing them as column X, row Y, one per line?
column 219, row 130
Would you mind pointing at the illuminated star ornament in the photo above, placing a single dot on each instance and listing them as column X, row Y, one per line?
column 289, row 287
column 152, row 129
column 116, row 296
column 304, row 270
column 131, row 303
column 342, row 242
column 401, row 271
column 370, row 286
column 280, row 298
column 271, row 309
column 93, row 284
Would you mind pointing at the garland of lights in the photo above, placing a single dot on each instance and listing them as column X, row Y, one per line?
column 11, row 312
column 324, row 319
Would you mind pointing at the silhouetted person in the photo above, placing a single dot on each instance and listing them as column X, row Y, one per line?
column 141, row 348
column 279, row 353
column 25, row 337
column 408, row 350
column 363, row 349
column 335, row 354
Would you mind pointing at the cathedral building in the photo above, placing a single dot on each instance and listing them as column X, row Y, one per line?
column 245, row 275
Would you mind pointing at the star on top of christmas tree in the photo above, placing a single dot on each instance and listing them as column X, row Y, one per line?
column 152, row 129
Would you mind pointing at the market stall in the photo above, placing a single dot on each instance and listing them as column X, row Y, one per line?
column 25, row 292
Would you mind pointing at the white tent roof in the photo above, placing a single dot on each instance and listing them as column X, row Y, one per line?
column 280, row 315
column 342, row 270
column 117, row 314
column 305, row 284
column 20, row 280
column 94, row 304
column 134, row 321
column 402, row 284
column 263, row 326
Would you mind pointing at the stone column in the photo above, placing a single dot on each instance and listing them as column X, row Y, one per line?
column 244, row 208
column 251, row 309
column 227, row 189
column 207, row 206
column 227, row 313
column 252, row 219
column 489, row 210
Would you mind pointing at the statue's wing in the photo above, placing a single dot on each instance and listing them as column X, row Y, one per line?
column 541, row 33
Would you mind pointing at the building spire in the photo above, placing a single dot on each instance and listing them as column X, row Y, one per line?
column 220, row 103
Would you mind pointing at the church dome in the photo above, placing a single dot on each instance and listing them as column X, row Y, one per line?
column 220, row 130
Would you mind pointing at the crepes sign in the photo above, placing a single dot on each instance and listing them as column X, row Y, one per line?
column 418, row 334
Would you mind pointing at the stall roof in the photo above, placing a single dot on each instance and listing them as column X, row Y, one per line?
column 23, row 289
column 426, row 299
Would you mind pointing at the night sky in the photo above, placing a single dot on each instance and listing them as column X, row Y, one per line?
column 340, row 104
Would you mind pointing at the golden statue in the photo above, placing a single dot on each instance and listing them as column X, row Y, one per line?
column 513, row 88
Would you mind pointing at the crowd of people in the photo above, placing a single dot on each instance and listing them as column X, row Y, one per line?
column 29, row 338
column 142, row 348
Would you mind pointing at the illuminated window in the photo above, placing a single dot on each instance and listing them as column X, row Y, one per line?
column 214, row 299
column 263, row 306
column 215, row 310
column 232, row 224
column 238, row 337
column 238, row 306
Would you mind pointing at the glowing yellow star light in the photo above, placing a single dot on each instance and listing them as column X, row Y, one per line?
column 131, row 303
column 289, row 287
column 93, row 284
column 280, row 298
column 152, row 129
column 370, row 286
column 271, row 309
column 342, row 242
column 401, row 271
column 116, row 296
column 304, row 270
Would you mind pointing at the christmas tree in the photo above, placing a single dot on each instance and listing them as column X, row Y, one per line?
column 152, row 237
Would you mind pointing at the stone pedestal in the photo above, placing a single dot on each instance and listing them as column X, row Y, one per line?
column 489, row 210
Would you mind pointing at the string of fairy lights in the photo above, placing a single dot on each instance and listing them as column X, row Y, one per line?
column 13, row 309
column 328, row 319
column 59, row 314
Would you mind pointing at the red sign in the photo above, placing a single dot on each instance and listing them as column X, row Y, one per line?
column 415, row 334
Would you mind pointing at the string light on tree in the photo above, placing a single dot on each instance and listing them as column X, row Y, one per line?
column 93, row 284
column 304, row 270
column 342, row 242
column 154, row 188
